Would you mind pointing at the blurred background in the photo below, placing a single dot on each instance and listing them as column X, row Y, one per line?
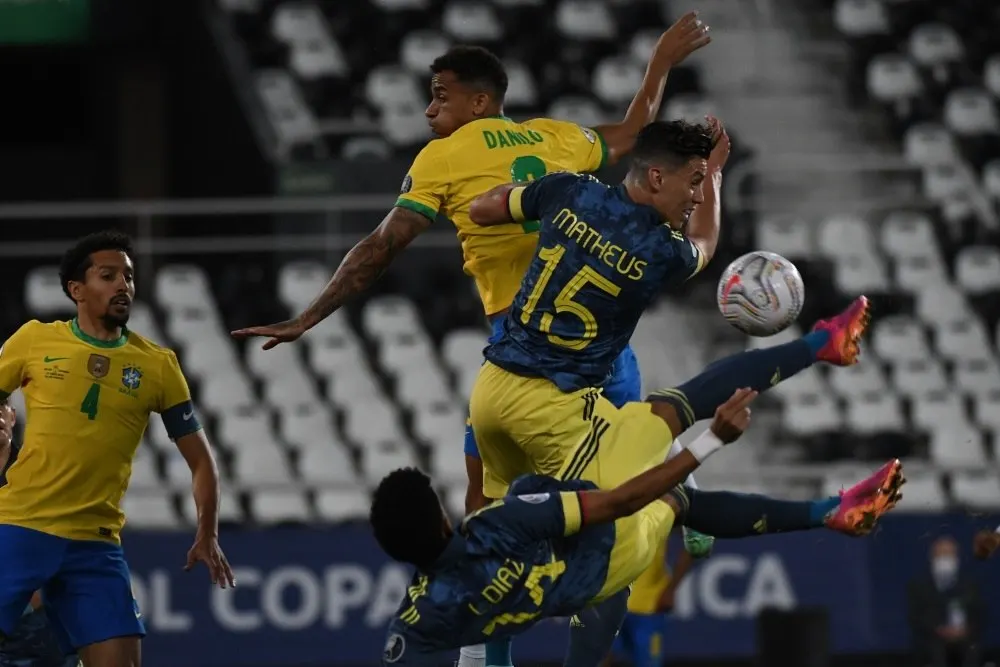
column 247, row 144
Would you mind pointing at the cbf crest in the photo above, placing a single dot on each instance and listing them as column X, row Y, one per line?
column 98, row 366
column 131, row 378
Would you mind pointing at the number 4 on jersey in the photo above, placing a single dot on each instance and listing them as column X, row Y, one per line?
column 89, row 405
column 524, row 170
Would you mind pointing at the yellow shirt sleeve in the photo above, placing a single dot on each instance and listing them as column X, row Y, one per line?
column 425, row 187
column 13, row 357
column 582, row 148
column 174, row 390
column 572, row 514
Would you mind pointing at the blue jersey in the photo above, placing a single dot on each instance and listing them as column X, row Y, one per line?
column 514, row 563
column 600, row 262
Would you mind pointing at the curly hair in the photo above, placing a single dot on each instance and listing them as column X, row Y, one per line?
column 77, row 258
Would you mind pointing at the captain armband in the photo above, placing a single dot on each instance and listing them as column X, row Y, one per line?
column 180, row 420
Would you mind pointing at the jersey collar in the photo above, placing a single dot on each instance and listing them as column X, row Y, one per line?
column 454, row 552
column 97, row 342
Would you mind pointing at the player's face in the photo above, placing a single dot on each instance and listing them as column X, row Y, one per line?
column 453, row 104
column 676, row 193
column 108, row 290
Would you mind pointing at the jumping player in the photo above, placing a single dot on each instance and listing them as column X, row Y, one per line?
column 550, row 548
column 90, row 385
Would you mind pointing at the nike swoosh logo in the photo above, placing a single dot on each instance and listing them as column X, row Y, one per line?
column 49, row 360
column 188, row 416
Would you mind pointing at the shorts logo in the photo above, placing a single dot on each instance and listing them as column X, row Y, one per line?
column 534, row 498
column 131, row 377
column 590, row 134
column 394, row 648
column 407, row 185
column 98, row 366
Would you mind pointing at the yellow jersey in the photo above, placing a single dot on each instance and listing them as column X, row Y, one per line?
column 649, row 586
column 449, row 173
column 88, row 403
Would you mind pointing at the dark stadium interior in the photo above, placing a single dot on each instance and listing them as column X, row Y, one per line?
column 273, row 134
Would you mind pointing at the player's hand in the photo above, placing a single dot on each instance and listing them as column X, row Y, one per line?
column 206, row 549
column 282, row 332
column 720, row 144
column 733, row 417
column 7, row 418
column 985, row 543
column 681, row 39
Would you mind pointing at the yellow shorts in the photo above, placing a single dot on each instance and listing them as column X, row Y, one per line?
column 527, row 425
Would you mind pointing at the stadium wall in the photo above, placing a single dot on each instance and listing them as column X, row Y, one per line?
column 310, row 596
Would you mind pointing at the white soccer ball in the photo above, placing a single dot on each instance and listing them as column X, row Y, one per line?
column 761, row 293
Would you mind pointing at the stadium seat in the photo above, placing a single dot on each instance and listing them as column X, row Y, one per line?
column 585, row 20
column 386, row 86
column 150, row 510
column 285, row 108
column 786, row 235
column 464, row 381
column 246, row 427
column 918, row 377
column 290, row 390
column 142, row 322
column 924, row 493
column 389, row 6
column 225, row 390
column 938, row 409
column 892, row 79
column 577, row 109
column 858, row 379
column 390, row 316
column 991, row 75
column 969, row 112
column 176, row 471
column 406, row 353
column 860, row 18
column 957, row 447
column 145, row 475
column 875, row 413
column 43, row 293
column 259, row 466
column 991, row 179
column 373, row 421
column 471, row 22
column 308, row 425
column 156, row 433
column 929, row 144
column 899, row 338
column 809, row 381
column 806, row 415
column 366, row 148
column 986, row 408
column 337, row 505
column 404, row 124
column 193, row 325
column 690, row 107
column 183, row 286
column 230, row 509
column 379, row 458
column 861, row 273
column 326, row 464
column 914, row 274
column 977, row 377
column 976, row 490
column 300, row 282
column 977, row 269
column 317, row 57
column 907, row 234
column 277, row 507
column 616, row 79
column 209, row 356
column 964, row 339
column 419, row 49
column 422, row 387
column 522, row 90
column 268, row 364
column 844, row 235
column 933, row 45
column 941, row 301
column 454, row 500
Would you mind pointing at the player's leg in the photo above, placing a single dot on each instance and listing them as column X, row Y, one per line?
column 594, row 631
column 28, row 558
column 731, row 515
column 474, row 498
column 647, row 637
column 92, row 603
column 833, row 341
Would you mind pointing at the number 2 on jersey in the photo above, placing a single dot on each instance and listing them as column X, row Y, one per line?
column 524, row 170
column 564, row 302
column 89, row 405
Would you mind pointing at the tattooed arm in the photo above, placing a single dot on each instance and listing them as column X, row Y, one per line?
column 358, row 271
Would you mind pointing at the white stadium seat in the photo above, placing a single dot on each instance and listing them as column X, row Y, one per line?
column 372, row 421
column 860, row 273
column 327, row 465
column 958, row 447
column 934, row 44
column 690, row 107
column 939, row 409
column 873, row 413
column 386, row 86
column 145, row 476
column 991, row 75
column 290, row 390
column 405, row 353
column 422, row 387
column 923, row 493
column 183, row 286
column 43, row 293
column 335, row 352
column 419, row 48
column 986, row 409
column 246, row 427
column 278, row 361
column 150, row 510
column 908, row 234
column 977, row 269
column 577, row 109
column 274, row 507
column 918, row 377
column 861, row 18
column 522, row 91
column 865, row 377
column 256, row 466
column 786, row 235
column 977, row 377
column 941, row 300
column 390, row 316
column 914, row 274
column 929, row 144
column 991, row 178
column 225, row 390
column 230, row 509
column 308, row 425
column 845, row 235
column 141, row 321
column 192, row 324
column 473, row 21
column 892, row 78
column 585, row 20
column 463, row 348
column 811, row 414
column 616, row 79
column 454, row 500
column 943, row 182
column 209, row 356
column 285, row 108
column 899, row 338
column 300, row 282
column 353, row 386
column 380, row 458
column 964, row 338
column 970, row 112
column 156, row 433
column 337, row 505
column 404, row 124
column 976, row 490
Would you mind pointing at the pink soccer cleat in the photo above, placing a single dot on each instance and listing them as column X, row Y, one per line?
column 845, row 332
column 862, row 504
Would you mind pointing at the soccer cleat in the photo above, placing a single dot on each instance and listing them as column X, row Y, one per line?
column 862, row 504
column 845, row 330
column 698, row 544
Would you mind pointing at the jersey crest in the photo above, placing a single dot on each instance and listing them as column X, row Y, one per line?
column 131, row 377
column 98, row 365
column 394, row 648
column 407, row 185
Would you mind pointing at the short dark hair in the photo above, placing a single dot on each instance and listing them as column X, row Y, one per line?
column 407, row 518
column 77, row 260
column 474, row 66
column 672, row 143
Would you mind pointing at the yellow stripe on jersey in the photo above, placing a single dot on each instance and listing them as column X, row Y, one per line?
column 88, row 403
column 571, row 513
column 514, row 204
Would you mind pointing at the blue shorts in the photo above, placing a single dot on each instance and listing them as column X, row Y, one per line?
column 641, row 639
column 624, row 386
column 86, row 587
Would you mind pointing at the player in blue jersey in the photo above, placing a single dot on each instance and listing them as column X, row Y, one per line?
column 550, row 548
column 32, row 644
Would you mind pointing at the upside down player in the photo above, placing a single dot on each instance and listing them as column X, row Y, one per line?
column 550, row 548
column 604, row 253
column 90, row 385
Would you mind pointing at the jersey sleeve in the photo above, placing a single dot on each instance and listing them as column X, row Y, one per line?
column 583, row 148
column 689, row 260
column 425, row 187
column 13, row 357
column 176, row 408
column 536, row 516
column 531, row 201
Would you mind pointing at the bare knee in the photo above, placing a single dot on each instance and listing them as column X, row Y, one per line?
column 115, row 652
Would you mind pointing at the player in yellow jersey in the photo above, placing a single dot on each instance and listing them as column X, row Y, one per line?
column 89, row 386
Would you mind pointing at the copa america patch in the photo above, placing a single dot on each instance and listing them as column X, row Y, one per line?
column 394, row 648
column 590, row 134
column 534, row 498
column 407, row 185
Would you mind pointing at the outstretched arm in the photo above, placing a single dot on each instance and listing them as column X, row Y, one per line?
column 493, row 208
column 703, row 227
column 7, row 417
column 682, row 38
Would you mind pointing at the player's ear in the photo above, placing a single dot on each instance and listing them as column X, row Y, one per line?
column 75, row 290
column 654, row 176
column 480, row 103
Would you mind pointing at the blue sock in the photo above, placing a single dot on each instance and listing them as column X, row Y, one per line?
column 731, row 515
column 760, row 370
column 498, row 653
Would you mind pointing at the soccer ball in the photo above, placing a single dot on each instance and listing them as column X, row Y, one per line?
column 761, row 293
